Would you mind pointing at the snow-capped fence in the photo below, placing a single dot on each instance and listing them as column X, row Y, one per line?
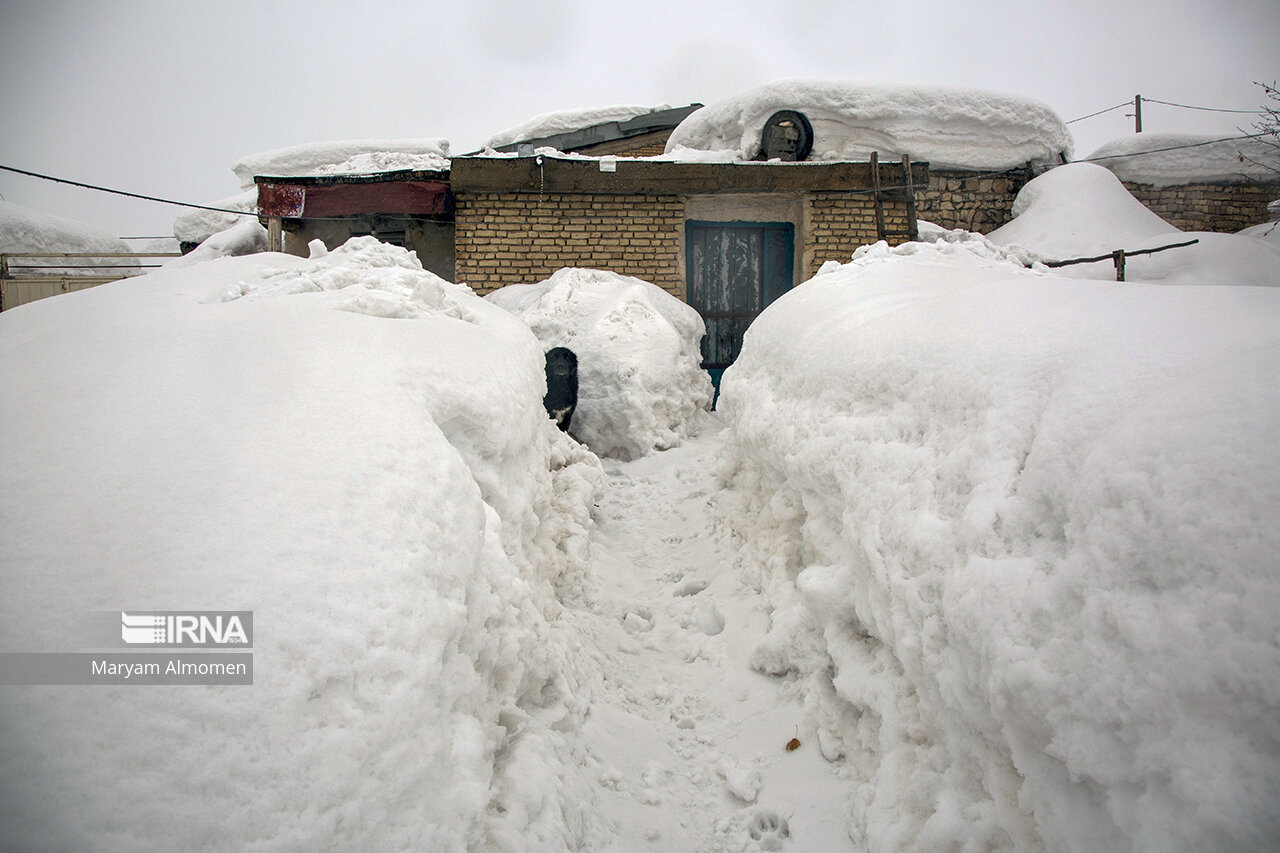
column 1118, row 257
column 42, row 280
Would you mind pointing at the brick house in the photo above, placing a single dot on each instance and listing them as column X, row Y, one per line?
column 728, row 238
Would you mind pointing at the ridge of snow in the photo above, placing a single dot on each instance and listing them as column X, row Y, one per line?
column 949, row 128
column 568, row 121
column 1142, row 158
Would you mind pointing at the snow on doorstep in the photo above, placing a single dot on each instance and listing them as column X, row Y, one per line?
column 1019, row 534
column 1164, row 159
column 196, row 226
column 357, row 452
column 345, row 157
column 25, row 230
column 568, row 121
column 1082, row 210
column 640, row 383
column 949, row 128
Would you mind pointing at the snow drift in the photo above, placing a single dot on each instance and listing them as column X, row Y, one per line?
column 25, row 230
column 1082, row 210
column 1166, row 159
column 1019, row 533
column 353, row 449
column 345, row 157
column 949, row 128
column 246, row 237
column 640, row 383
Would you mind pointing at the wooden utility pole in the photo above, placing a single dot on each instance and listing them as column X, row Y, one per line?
column 1137, row 114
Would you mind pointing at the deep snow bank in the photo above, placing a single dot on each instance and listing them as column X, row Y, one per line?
column 640, row 384
column 1081, row 210
column 1019, row 533
column 25, row 230
column 356, row 451
column 949, row 128
column 1166, row 159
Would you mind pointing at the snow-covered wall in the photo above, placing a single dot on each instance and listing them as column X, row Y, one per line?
column 1019, row 535
column 949, row 128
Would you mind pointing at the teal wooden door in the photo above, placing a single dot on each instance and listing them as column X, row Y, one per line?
column 734, row 270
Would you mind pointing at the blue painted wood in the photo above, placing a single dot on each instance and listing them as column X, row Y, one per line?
column 734, row 271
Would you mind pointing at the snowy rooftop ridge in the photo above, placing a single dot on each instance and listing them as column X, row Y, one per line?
column 345, row 157
column 25, row 230
column 569, row 121
column 1165, row 159
column 949, row 128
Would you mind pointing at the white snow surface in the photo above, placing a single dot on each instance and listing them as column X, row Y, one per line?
column 25, row 230
column 1019, row 536
column 949, row 128
column 345, row 157
column 1165, row 159
column 641, row 387
column 356, row 451
column 196, row 225
column 568, row 121
column 1081, row 210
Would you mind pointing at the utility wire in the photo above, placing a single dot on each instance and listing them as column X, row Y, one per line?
column 1146, row 100
column 129, row 194
column 1100, row 112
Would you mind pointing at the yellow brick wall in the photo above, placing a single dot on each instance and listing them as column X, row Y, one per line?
column 841, row 222
column 521, row 238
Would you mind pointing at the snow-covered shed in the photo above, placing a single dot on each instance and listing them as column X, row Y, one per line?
column 627, row 130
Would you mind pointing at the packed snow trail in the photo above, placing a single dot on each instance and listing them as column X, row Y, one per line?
column 687, row 743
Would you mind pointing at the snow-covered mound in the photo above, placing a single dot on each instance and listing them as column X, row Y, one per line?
column 949, row 128
column 1269, row 231
column 1165, row 159
column 387, row 495
column 345, row 157
column 640, row 384
column 25, row 230
column 196, row 226
column 568, row 121
column 1019, row 532
column 1081, row 210
column 244, row 238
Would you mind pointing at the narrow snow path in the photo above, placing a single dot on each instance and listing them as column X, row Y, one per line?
column 685, row 740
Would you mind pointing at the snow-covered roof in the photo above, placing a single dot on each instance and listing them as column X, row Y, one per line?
column 25, row 230
column 345, row 157
column 1165, row 159
column 569, row 121
column 196, row 225
column 948, row 128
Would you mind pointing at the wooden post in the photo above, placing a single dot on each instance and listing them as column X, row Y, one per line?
column 1118, row 258
column 1137, row 114
column 275, row 234
column 875, row 183
column 913, row 225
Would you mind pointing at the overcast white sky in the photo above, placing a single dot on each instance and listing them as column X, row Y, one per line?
column 161, row 97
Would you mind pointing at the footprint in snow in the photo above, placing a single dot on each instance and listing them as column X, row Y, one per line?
column 768, row 829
